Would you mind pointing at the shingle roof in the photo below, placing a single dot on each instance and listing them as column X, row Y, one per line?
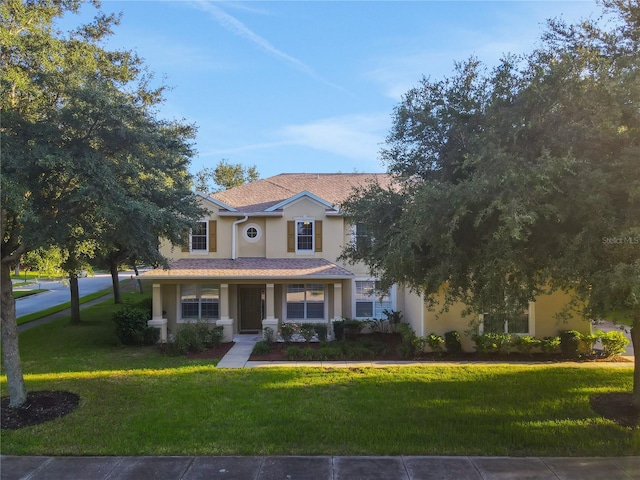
column 333, row 187
column 251, row 268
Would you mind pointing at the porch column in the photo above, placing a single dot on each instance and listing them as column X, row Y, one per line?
column 156, row 313
column 157, row 302
column 224, row 301
column 270, row 301
column 270, row 322
column 337, row 300
column 225, row 322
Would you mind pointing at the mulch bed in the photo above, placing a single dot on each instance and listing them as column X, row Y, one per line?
column 41, row 406
column 211, row 353
column 616, row 407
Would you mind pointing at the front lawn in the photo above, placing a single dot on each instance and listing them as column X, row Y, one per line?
column 136, row 401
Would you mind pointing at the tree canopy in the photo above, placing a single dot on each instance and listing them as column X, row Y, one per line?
column 87, row 165
column 518, row 180
column 224, row 176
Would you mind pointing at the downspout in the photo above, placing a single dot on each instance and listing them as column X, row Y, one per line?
column 233, row 235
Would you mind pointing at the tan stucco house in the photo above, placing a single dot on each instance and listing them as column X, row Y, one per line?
column 267, row 252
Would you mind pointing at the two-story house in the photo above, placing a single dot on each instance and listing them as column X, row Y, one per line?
column 267, row 252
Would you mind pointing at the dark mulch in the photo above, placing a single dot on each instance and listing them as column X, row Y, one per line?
column 41, row 406
column 616, row 407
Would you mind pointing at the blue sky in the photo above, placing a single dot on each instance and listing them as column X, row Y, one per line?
column 302, row 86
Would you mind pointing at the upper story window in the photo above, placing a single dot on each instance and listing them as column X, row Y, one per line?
column 252, row 233
column 362, row 237
column 304, row 236
column 199, row 237
column 371, row 303
column 202, row 238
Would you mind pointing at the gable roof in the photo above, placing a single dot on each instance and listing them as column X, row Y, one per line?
column 270, row 194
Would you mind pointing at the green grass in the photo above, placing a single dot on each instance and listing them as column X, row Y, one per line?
column 27, row 293
column 136, row 401
column 623, row 317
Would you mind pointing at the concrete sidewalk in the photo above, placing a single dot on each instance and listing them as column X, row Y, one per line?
column 320, row 468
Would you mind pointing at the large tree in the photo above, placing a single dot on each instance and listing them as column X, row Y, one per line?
column 81, row 148
column 224, row 176
column 520, row 180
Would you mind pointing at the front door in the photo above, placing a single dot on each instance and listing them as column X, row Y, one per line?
column 251, row 308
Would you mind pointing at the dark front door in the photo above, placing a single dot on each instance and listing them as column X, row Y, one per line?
column 251, row 308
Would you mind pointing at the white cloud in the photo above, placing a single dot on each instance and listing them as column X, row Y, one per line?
column 357, row 137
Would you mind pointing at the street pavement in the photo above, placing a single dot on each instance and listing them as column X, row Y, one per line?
column 58, row 292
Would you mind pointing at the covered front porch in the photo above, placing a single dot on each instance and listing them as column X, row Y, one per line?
column 248, row 295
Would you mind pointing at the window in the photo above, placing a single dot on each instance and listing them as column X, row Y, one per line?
column 362, row 238
column 369, row 302
column 200, row 301
column 305, row 301
column 252, row 233
column 199, row 237
column 304, row 235
column 503, row 323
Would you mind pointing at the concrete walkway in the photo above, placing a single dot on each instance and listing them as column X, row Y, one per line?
column 320, row 468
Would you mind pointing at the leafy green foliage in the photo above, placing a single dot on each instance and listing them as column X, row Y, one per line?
column 518, row 181
column 224, row 176
column 613, row 342
column 492, row 342
column 550, row 344
column 195, row 337
column 131, row 327
column 262, row 347
column 435, row 342
column 452, row 342
column 525, row 343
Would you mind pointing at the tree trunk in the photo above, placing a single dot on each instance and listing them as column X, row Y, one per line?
column 10, row 350
column 135, row 269
column 635, row 341
column 113, row 266
column 75, row 298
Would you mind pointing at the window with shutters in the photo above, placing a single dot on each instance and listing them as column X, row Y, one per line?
column 199, row 237
column 202, row 238
column 304, row 236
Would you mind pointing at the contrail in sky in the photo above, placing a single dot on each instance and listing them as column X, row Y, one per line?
column 236, row 27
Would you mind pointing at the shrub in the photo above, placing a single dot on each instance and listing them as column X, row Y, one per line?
column 613, row 342
column 452, row 342
column 492, row 342
column 293, row 353
column 195, row 337
column 338, row 329
column 269, row 335
column 352, row 328
column 321, row 331
column 550, row 344
column 587, row 343
column 394, row 318
column 327, row 352
column 435, row 342
column 570, row 343
column 307, row 331
column 378, row 325
column 525, row 343
column 411, row 345
column 145, row 304
column 288, row 330
column 263, row 347
column 131, row 327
